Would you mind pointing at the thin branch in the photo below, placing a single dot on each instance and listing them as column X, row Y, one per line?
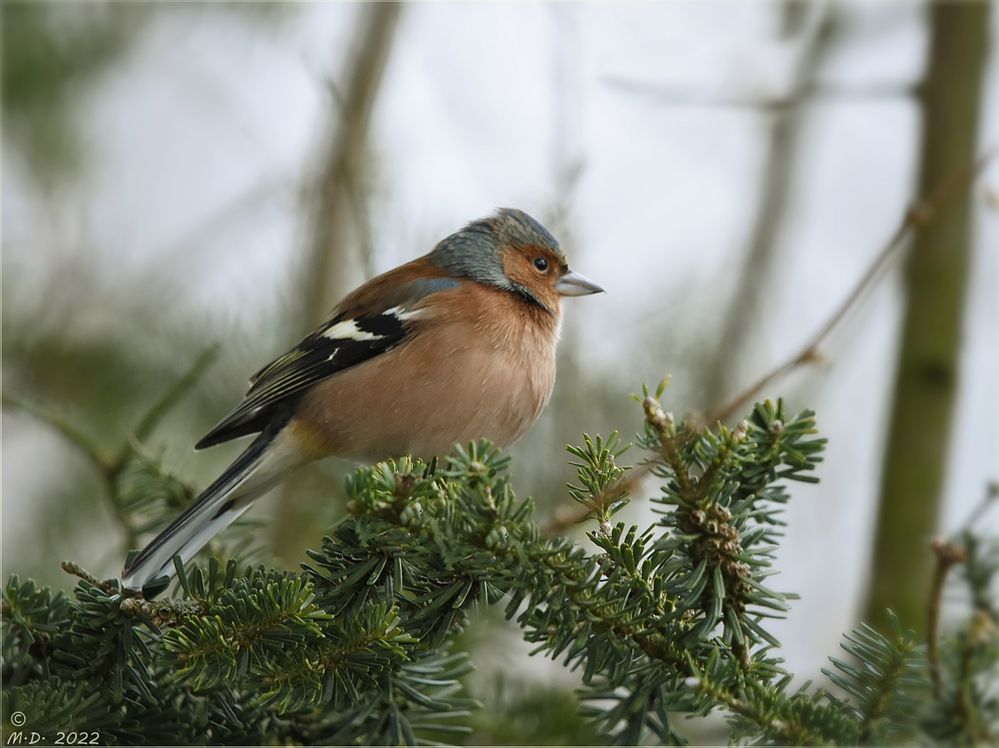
column 78, row 571
column 168, row 612
column 109, row 468
column 170, row 398
column 790, row 730
column 160, row 612
column 571, row 516
column 991, row 498
column 917, row 218
column 947, row 555
column 676, row 96
column 65, row 429
column 785, row 137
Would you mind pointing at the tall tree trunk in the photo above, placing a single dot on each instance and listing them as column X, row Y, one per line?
column 917, row 447
column 784, row 143
column 340, row 255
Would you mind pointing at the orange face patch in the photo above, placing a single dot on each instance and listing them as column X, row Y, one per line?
column 537, row 269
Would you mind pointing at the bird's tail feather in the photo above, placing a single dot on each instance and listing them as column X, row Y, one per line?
column 268, row 458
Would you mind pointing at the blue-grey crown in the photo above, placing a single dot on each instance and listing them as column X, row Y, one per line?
column 475, row 251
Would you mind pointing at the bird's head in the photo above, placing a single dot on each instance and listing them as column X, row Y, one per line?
column 512, row 251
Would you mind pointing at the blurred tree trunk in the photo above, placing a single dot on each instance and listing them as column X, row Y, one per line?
column 340, row 255
column 919, row 436
column 777, row 178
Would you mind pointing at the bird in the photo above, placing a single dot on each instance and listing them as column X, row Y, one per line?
column 451, row 347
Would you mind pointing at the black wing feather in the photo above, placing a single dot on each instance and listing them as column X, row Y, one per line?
column 317, row 357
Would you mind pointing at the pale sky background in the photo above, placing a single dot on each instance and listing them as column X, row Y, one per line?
column 199, row 142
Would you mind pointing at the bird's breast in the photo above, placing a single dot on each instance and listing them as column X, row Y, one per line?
column 482, row 375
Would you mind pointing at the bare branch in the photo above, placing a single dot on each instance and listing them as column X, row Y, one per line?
column 947, row 555
column 78, row 571
column 916, row 219
column 775, row 183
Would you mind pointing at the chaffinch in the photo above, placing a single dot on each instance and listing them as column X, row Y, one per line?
column 454, row 346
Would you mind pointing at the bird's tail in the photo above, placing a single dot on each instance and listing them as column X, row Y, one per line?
column 268, row 458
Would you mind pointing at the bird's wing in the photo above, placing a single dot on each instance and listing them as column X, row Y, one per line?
column 356, row 333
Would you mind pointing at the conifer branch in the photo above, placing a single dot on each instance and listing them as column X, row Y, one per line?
column 789, row 731
column 666, row 620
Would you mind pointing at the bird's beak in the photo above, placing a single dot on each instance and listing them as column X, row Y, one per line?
column 574, row 284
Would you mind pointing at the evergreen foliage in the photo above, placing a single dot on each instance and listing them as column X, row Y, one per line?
column 965, row 710
column 362, row 645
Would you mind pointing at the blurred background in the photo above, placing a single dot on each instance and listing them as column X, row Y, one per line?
column 178, row 177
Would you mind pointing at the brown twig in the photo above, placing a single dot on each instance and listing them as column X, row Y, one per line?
column 948, row 555
column 162, row 612
column 776, row 183
column 916, row 218
column 78, row 571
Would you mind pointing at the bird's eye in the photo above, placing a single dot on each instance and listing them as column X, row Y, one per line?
column 541, row 264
